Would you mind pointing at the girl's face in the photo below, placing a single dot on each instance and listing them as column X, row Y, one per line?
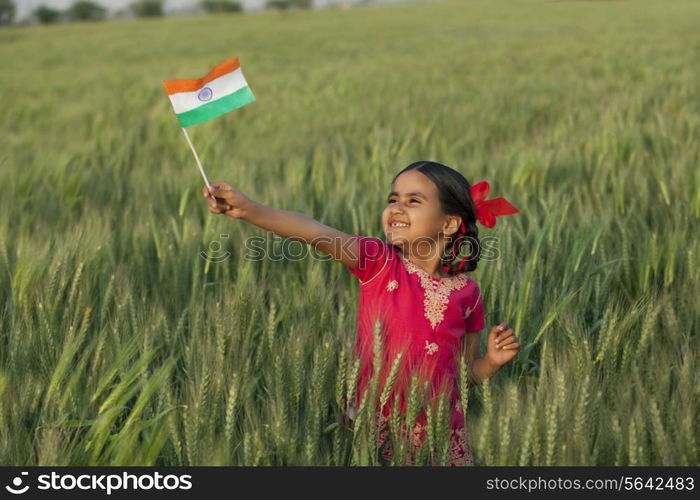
column 413, row 216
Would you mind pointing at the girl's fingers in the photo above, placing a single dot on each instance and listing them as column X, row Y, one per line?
column 496, row 332
column 205, row 192
column 220, row 185
column 219, row 203
column 218, row 207
column 499, row 329
column 505, row 342
column 504, row 335
column 514, row 345
column 221, row 189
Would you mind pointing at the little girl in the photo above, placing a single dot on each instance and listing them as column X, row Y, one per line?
column 414, row 285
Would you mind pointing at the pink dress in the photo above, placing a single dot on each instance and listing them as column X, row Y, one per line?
column 423, row 316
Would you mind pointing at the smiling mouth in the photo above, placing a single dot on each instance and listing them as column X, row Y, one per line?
column 398, row 226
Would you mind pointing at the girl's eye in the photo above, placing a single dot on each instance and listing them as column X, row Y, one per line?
column 412, row 199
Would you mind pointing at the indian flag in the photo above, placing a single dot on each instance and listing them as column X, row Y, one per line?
column 223, row 89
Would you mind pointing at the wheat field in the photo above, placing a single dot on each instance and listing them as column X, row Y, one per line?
column 121, row 345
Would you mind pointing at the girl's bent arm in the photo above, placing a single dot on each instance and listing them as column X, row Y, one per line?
column 479, row 368
column 482, row 369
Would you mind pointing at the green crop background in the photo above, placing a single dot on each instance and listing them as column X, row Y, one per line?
column 121, row 345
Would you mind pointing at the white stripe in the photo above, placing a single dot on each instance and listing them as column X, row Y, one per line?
column 220, row 87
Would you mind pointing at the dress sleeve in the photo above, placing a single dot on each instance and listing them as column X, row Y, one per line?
column 373, row 255
column 474, row 315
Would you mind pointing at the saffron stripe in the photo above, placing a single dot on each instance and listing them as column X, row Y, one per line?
column 175, row 86
column 239, row 98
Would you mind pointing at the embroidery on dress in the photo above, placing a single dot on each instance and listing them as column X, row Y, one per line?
column 431, row 347
column 393, row 285
column 436, row 294
column 418, row 439
column 418, row 431
column 460, row 450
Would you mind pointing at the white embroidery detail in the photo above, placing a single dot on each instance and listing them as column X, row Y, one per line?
column 393, row 285
column 460, row 450
column 431, row 348
column 437, row 294
column 460, row 453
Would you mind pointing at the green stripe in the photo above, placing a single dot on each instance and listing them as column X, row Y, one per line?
column 239, row 98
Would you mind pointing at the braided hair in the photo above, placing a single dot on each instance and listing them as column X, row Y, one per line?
column 454, row 192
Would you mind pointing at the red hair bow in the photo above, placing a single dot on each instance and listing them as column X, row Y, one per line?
column 487, row 210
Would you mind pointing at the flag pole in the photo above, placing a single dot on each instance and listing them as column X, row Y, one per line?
column 199, row 163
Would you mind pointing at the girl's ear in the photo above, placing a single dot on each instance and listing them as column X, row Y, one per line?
column 451, row 225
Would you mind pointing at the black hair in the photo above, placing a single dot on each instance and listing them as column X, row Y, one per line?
column 455, row 195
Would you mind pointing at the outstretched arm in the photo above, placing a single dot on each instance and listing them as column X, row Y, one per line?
column 341, row 246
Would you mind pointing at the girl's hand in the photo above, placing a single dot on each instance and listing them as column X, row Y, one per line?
column 501, row 344
column 229, row 200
